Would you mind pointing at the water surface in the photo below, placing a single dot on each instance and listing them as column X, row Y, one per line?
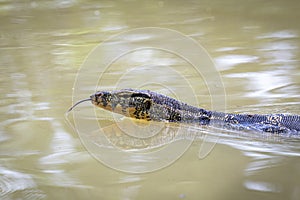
column 254, row 44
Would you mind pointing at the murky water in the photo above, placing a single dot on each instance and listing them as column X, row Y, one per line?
column 254, row 44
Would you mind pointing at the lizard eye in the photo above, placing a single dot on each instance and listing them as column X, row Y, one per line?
column 147, row 104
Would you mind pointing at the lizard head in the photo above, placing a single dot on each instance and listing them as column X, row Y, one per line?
column 127, row 102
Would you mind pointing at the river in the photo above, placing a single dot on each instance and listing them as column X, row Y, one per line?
column 53, row 53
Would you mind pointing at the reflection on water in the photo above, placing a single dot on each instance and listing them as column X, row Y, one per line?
column 229, row 61
column 267, row 153
column 283, row 34
column 20, row 183
column 266, row 85
column 256, row 49
column 262, row 186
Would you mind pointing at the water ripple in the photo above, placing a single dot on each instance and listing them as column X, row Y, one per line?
column 229, row 61
column 262, row 186
column 284, row 34
column 13, row 181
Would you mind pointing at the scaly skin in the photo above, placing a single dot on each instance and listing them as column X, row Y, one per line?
column 148, row 105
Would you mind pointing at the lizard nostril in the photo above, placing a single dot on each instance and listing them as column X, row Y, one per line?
column 93, row 98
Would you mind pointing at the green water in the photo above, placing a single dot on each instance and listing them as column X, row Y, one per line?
column 254, row 45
